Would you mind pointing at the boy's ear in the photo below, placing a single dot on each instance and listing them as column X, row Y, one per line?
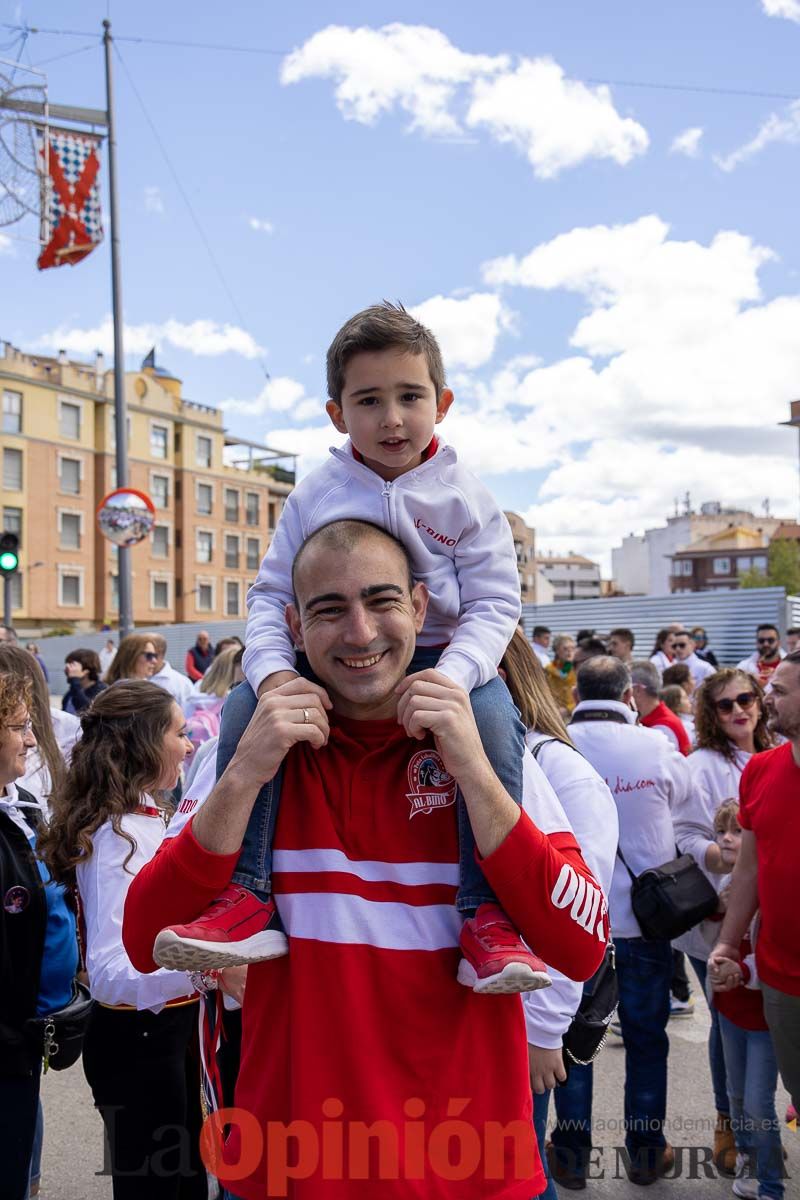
column 443, row 404
column 335, row 413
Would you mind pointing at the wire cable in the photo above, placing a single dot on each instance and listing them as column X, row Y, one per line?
column 189, row 206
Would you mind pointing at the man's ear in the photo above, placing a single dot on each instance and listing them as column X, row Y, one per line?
column 419, row 603
column 443, row 404
column 292, row 618
column 336, row 415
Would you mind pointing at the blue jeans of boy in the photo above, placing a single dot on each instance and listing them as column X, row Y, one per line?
column 541, row 1106
column 503, row 737
column 752, row 1080
column 716, row 1058
column 644, row 971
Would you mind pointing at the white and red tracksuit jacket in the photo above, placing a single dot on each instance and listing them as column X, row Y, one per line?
column 363, row 1023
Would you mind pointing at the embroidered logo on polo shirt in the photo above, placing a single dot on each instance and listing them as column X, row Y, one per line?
column 16, row 900
column 431, row 785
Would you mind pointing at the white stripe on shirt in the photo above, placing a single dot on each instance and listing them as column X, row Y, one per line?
column 408, row 873
column 352, row 920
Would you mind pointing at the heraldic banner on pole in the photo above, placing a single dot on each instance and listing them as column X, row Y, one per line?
column 71, row 218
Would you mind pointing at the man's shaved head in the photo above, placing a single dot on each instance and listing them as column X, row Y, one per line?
column 343, row 537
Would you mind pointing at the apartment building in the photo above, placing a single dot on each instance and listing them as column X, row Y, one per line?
column 217, row 497
column 571, row 576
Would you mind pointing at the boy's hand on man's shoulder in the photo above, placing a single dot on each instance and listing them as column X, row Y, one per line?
column 430, row 702
column 296, row 711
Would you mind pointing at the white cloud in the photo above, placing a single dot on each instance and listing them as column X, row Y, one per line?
column 467, row 329
column 260, row 226
column 153, row 201
column 281, row 394
column 774, row 129
column 412, row 67
column 790, row 9
column 6, row 245
column 203, row 337
column 556, row 122
column 688, row 142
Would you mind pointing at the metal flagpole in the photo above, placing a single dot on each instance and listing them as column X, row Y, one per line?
column 120, row 407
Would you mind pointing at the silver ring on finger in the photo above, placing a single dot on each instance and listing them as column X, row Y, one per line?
column 306, row 717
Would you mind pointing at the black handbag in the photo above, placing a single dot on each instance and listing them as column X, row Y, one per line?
column 588, row 1031
column 58, row 1036
column 671, row 899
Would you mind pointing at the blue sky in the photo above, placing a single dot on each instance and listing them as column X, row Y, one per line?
column 613, row 271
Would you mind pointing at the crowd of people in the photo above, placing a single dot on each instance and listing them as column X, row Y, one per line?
column 361, row 882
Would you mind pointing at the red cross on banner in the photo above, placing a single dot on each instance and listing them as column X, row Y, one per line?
column 71, row 224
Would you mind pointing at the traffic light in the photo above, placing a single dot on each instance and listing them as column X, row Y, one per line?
column 9, row 553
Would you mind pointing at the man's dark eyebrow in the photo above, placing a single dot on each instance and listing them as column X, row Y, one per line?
column 366, row 593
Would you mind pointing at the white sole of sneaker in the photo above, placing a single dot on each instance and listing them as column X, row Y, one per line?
column 514, row 977
column 189, row 954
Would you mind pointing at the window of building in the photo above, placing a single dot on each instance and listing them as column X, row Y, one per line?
column 231, row 551
column 251, row 508
column 205, row 597
column 69, row 420
column 760, row 562
column 160, row 594
column 231, row 599
column 12, row 469
column 743, row 562
column 722, row 566
column 272, row 517
column 688, row 566
column 203, row 451
column 12, row 412
column 70, row 531
column 159, row 440
column 204, row 546
column 253, row 554
column 12, row 521
column 114, row 593
column 159, row 490
column 16, row 590
column 69, row 589
column 160, row 541
column 70, row 476
column 231, row 504
column 205, row 499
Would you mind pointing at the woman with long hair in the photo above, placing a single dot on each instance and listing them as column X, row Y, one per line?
column 731, row 726
column 662, row 651
column 105, row 825
column 135, row 659
column 38, row 943
column 44, row 768
column 590, row 807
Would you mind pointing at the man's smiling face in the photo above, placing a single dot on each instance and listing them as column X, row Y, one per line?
column 357, row 622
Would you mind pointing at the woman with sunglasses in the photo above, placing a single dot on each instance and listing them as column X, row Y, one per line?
column 731, row 727
column 135, row 659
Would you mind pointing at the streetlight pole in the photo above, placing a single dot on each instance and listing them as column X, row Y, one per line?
column 120, row 407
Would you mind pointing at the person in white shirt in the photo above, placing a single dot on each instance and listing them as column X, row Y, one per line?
column 591, row 811
column 165, row 676
column 650, row 784
column 55, row 731
column 662, row 654
column 767, row 655
column 683, row 649
column 105, row 825
column 540, row 642
column 107, row 655
column 731, row 728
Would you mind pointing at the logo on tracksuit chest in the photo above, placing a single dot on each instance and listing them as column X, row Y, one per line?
column 430, row 784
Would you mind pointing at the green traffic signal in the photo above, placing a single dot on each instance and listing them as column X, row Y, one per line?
column 8, row 561
column 9, row 558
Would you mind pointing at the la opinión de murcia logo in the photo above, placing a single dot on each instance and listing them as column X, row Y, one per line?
column 431, row 786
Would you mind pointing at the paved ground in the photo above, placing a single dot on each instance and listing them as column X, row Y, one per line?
column 73, row 1148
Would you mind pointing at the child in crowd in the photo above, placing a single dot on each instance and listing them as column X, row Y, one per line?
column 750, row 1061
column 387, row 391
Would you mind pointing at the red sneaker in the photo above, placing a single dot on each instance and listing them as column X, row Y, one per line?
column 495, row 957
column 236, row 929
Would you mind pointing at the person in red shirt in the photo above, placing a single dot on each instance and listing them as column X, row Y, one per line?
column 766, row 873
column 749, row 1054
column 361, row 1053
column 653, row 713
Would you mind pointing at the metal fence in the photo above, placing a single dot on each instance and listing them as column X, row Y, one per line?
column 729, row 618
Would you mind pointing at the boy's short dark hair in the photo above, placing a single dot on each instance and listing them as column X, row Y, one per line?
column 767, row 625
column 89, row 660
column 626, row 635
column 676, row 675
column 381, row 327
column 540, row 630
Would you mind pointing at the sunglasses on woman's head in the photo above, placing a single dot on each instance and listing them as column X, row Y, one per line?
column 744, row 700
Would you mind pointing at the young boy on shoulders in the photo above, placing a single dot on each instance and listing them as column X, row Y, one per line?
column 387, row 390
